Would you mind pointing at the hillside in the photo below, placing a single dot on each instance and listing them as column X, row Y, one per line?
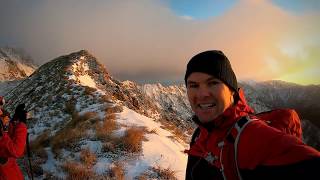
column 85, row 120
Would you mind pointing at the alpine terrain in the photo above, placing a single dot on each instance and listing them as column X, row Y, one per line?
column 87, row 124
column 15, row 65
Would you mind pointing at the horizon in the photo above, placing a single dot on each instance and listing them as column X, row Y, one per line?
column 152, row 41
column 162, row 82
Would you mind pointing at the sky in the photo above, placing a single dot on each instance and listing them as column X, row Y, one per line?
column 151, row 41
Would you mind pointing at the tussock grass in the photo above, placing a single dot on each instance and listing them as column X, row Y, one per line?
column 78, row 119
column 117, row 172
column 66, row 138
column 105, row 98
column 109, row 147
column 158, row 172
column 152, row 131
column 164, row 173
column 74, row 130
column 77, row 171
column 132, row 139
column 114, row 109
column 37, row 146
column 88, row 158
column 104, row 130
column 178, row 133
column 70, row 107
column 36, row 166
column 89, row 90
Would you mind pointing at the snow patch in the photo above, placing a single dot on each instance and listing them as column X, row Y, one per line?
column 158, row 150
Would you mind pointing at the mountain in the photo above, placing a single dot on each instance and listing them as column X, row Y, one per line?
column 88, row 124
column 15, row 65
column 261, row 96
column 305, row 99
column 173, row 102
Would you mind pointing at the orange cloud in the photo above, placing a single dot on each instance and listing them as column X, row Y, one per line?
column 146, row 40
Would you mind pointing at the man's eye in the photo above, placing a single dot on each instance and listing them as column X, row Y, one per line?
column 192, row 85
column 212, row 83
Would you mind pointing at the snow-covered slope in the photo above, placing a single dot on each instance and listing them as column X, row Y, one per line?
column 173, row 102
column 85, row 119
column 14, row 64
column 88, row 123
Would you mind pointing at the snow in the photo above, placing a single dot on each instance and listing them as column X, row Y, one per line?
column 27, row 69
column 93, row 146
column 9, row 60
column 91, row 108
column 102, row 165
column 50, row 165
column 86, row 80
column 172, row 98
column 159, row 150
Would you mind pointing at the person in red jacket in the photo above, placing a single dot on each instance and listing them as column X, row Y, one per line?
column 263, row 152
column 12, row 145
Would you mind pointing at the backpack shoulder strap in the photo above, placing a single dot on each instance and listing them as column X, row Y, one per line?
column 195, row 135
column 240, row 126
column 233, row 138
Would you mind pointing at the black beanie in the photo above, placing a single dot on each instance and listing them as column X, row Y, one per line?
column 214, row 63
column 20, row 113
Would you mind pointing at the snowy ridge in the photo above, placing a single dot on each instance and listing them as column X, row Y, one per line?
column 73, row 96
column 171, row 99
column 63, row 91
column 14, row 64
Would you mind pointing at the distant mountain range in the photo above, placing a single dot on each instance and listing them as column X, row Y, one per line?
column 78, row 105
column 261, row 96
column 15, row 65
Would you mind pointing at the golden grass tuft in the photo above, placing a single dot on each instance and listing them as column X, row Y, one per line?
column 78, row 119
column 76, row 171
column 106, row 98
column 104, row 130
column 178, row 133
column 89, row 90
column 70, row 107
column 166, row 174
column 114, row 109
column 66, row 138
column 88, row 158
column 37, row 146
column 132, row 139
column 74, row 130
column 117, row 172
column 152, row 131
column 109, row 147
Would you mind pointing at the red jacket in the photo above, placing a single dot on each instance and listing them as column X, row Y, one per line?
column 263, row 151
column 12, row 145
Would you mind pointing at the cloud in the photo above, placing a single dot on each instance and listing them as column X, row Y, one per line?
column 186, row 17
column 147, row 40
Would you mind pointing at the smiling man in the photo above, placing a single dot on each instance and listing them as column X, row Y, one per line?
column 221, row 113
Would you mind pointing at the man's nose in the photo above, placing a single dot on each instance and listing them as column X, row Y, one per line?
column 203, row 91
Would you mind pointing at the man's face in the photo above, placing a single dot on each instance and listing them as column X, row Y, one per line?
column 208, row 96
